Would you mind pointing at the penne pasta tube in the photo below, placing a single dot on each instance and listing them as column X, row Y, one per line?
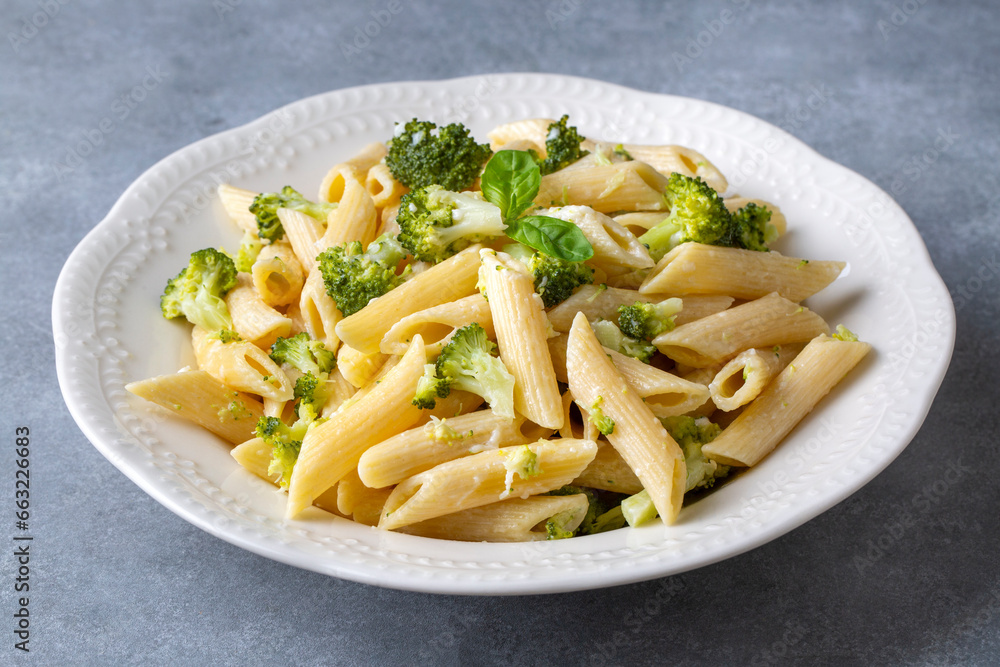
column 452, row 279
column 699, row 306
column 576, row 426
column 679, row 159
column 253, row 319
column 354, row 219
column 791, row 396
column 609, row 472
column 745, row 376
column 602, row 302
column 240, row 365
column 200, row 398
column 332, row 449
column 533, row 130
column 437, row 323
column 512, row 520
column 319, row 311
column 359, row 368
column 438, row 441
column 624, row 186
column 303, row 232
column 764, row 322
column 335, row 181
column 484, row 478
column 237, row 203
column 636, row 433
column 340, row 391
column 356, row 500
column 277, row 275
column 639, row 222
column 614, row 246
column 385, row 190
column 522, row 331
column 255, row 456
column 695, row 268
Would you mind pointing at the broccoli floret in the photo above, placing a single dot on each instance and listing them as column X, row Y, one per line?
column 196, row 292
column 312, row 393
column 520, row 461
column 227, row 336
column 646, row 321
column 845, row 334
column 250, row 247
column 436, row 223
column 304, row 354
column 598, row 518
column 555, row 527
column 555, row 278
column 638, row 509
column 691, row 434
column 421, row 154
column 697, row 213
column 285, row 442
column 467, row 363
column 562, row 147
column 265, row 206
column 596, row 416
column 353, row 278
column 611, row 337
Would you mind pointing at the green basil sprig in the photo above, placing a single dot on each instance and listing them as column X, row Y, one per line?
column 511, row 181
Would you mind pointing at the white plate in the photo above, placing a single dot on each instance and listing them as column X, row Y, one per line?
column 108, row 331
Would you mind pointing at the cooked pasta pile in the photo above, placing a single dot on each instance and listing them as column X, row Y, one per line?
column 545, row 337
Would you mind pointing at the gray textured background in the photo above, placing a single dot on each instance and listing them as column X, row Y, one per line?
column 117, row 579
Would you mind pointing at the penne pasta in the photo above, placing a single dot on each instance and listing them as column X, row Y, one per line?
column 512, row 520
column 303, row 233
column 614, row 246
column 354, row 219
column 437, row 323
column 254, row 455
column 240, row 365
column 745, row 376
column 335, row 181
column 277, row 275
column 356, row 500
column 385, row 190
column 237, row 203
column 609, row 472
column 253, row 319
column 625, row 186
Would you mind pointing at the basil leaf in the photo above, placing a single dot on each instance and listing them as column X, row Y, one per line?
column 551, row 236
column 511, row 181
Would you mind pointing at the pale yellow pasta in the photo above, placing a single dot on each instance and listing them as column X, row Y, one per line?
column 255, row 456
column 253, row 319
column 237, row 203
column 609, row 472
column 511, row 520
column 387, row 221
column 452, row 279
column 202, row 399
column 575, row 428
column 695, row 268
column 240, row 365
column 481, row 479
column 614, row 246
column 681, row 160
column 385, row 190
column 624, row 186
column 745, row 375
column 638, row 435
column 437, row 323
column 360, row 502
column 436, row 442
column 303, row 232
column 791, row 396
column 355, row 219
column 765, row 322
column 339, row 392
column 319, row 312
column 533, row 130
column 599, row 302
column 357, row 367
column 332, row 449
column 332, row 188
column 277, row 275
column 521, row 329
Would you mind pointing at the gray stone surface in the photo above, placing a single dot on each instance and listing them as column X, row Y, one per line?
column 118, row 579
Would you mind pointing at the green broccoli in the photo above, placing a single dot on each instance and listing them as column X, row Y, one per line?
column 436, row 223
column 845, row 334
column 596, row 416
column 312, row 393
column 691, row 434
column 698, row 213
column 562, row 147
column 520, row 461
column 227, row 336
column 611, row 337
column 196, row 292
column 304, row 354
column 265, row 206
column 599, row 517
column 555, row 278
column 646, row 321
column 285, row 442
column 250, row 247
column 353, row 278
column 467, row 363
column 638, row 509
column 421, row 154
